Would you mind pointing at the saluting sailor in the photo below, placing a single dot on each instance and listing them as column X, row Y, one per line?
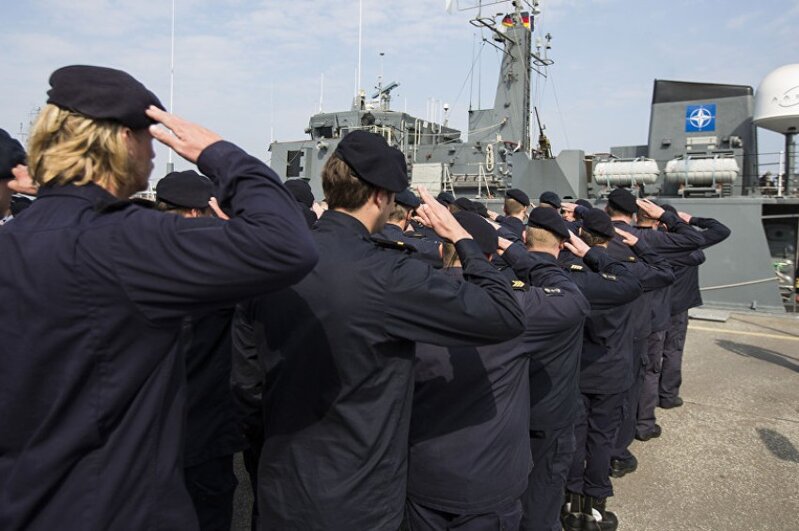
column 92, row 388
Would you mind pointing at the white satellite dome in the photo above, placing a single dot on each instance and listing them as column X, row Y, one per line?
column 777, row 100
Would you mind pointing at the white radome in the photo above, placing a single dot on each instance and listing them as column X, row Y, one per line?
column 777, row 100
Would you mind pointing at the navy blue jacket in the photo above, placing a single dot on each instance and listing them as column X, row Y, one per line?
column 607, row 356
column 92, row 385
column 342, row 346
column 674, row 244
column 511, row 228
column 652, row 271
column 661, row 298
column 678, row 240
column 469, row 446
column 685, row 292
column 604, row 281
column 212, row 428
column 713, row 232
column 555, row 364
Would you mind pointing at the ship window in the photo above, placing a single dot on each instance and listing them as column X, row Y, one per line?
column 294, row 163
column 323, row 132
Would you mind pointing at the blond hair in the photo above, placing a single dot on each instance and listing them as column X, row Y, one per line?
column 541, row 238
column 513, row 207
column 68, row 148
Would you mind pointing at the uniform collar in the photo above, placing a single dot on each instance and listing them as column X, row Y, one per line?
column 545, row 257
column 341, row 221
column 620, row 223
column 390, row 228
column 96, row 195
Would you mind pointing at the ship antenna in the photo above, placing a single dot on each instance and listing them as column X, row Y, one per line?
column 170, row 166
column 360, row 43
column 271, row 114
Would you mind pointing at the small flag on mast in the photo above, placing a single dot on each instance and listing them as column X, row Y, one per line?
column 508, row 22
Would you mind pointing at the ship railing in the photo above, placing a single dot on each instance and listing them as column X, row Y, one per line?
column 446, row 181
column 477, row 176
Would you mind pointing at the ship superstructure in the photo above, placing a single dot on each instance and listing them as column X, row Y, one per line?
column 701, row 156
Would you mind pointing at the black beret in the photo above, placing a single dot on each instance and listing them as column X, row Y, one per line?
column 480, row 208
column 11, row 154
column 598, row 222
column 550, row 198
column 549, row 219
column 668, row 208
column 374, row 161
column 407, row 198
column 301, row 191
column 445, row 198
column 102, row 94
column 622, row 199
column 185, row 189
column 466, row 204
column 483, row 233
column 584, row 202
column 518, row 195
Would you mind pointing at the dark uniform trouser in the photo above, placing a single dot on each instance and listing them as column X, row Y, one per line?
column 211, row 486
column 252, row 455
column 553, row 451
column 649, row 393
column 671, row 371
column 595, row 436
column 421, row 518
column 627, row 427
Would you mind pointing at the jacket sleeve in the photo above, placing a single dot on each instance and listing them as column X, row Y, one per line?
column 432, row 307
column 168, row 264
column 713, row 231
column 521, row 261
column 608, row 284
column 680, row 239
column 505, row 232
column 652, row 271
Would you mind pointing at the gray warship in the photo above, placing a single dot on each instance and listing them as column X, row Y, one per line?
column 701, row 156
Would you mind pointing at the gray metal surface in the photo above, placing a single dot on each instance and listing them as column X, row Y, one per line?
column 668, row 137
column 494, row 156
column 738, row 273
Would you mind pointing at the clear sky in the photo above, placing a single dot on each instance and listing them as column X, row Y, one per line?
column 252, row 69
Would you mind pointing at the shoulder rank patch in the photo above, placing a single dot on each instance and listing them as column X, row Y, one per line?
column 575, row 267
column 608, row 276
column 552, row 291
column 518, row 285
column 632, row 259
column 393, row 244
